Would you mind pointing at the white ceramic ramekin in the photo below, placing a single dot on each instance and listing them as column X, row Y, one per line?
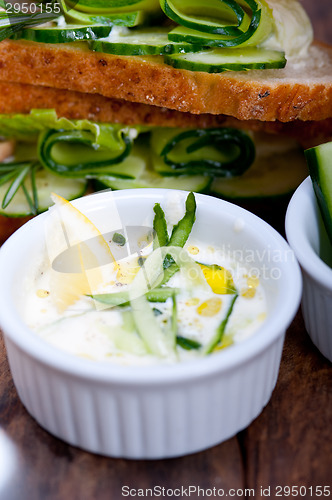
column 155, row 411
column 306, row 235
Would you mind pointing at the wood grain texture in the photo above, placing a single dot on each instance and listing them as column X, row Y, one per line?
column 290, row 442
column 47, row 468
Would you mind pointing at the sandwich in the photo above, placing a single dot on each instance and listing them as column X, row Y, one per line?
column 214, row 97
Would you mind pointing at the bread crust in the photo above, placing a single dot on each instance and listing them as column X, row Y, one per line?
column 21, row 98
column 283, row 94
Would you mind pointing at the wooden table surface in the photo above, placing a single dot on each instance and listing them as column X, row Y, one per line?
column 289, row 444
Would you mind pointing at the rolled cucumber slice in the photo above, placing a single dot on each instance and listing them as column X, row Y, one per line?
column 219, row 60
column 46, row 183
column 211, row 17
column 141, row 42
column 57, row 34
column 319, row 160
column 105, row 6
column 128, row 19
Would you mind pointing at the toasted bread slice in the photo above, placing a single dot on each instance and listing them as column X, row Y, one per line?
column 300, row 91
column 21, row 98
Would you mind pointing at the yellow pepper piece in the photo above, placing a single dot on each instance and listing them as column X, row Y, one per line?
column 252, row 283
column 210, row 307
column 219, row 279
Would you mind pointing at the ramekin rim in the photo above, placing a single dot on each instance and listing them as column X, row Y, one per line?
column 310, row 262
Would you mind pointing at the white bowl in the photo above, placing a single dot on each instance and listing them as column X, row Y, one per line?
column 308, row 238
column 155, row 411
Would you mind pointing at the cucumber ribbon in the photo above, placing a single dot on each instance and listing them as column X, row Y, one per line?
column 83, row 149
column 211, row 152
column 214, row 23
column 149, row 277
column 79, row 156
column 220, row 23
column 105, row 6
column 120, row 13
column 220, row 152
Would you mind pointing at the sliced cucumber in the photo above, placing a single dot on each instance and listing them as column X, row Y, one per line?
column 219, row 60
column 128, row 19
column 182, row 34
column 141, row 42
column 319, row 160
column 149, row 179
column 105, row 6
column 46, row 183
column 57, row 34
column 269, row 176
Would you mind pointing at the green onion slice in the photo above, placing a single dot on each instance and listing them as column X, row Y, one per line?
column 160, row 227
column 219, row 334
column 187, row 344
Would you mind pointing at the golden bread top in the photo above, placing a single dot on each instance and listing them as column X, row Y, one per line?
column 300, row 91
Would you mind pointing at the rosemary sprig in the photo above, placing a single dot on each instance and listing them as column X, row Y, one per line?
column 16, row 174
column 13, row 19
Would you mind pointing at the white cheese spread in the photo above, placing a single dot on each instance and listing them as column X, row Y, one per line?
column 292, row 32
column 220, row 290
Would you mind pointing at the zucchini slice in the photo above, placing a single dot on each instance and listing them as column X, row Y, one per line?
column 218, row 60
column 46, row 183
column 319, row 160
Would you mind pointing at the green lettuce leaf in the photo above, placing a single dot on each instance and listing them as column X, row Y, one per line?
column 27, row 128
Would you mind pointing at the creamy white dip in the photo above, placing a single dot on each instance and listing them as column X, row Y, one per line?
column 87, row 330
column 292, row 31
